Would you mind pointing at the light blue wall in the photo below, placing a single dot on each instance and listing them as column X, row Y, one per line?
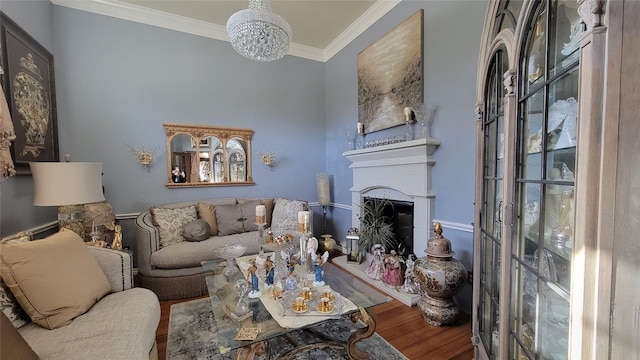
column 118, row 81
column 452, row 31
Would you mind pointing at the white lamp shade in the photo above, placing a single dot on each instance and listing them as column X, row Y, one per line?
column 66, row 183
column 322, row 181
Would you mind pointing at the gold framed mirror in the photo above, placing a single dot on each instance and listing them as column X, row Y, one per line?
column 200, row 155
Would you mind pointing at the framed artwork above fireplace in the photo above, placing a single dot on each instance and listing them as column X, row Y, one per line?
column 390, row 75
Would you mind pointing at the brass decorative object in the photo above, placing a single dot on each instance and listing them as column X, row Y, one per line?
column 143, row 155
column 117, row 239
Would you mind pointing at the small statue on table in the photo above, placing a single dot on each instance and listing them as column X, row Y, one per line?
column 392, row 275
column 252, row 277
column 312, row 247
column 318, row 263
column 116, row 244
column 291, row 261
column 270, row 269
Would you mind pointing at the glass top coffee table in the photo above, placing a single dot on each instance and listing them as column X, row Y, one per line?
column 224, row 298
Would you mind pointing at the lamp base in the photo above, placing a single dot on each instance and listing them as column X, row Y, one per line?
column 72, row 217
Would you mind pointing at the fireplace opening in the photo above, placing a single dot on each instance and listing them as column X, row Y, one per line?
column 400, row 216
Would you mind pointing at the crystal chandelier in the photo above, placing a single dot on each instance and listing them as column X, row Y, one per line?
column 259, row 34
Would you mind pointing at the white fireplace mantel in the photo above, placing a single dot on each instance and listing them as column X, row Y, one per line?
column 400, row 171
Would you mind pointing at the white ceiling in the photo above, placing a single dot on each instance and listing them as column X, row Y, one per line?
column 320, row 28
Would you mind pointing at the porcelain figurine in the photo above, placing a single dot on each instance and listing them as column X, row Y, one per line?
column 291, row 261
column 376, row 267
column 411, row 284
column 392, row 275
column 562, row 128
column 252, row 277
column 318, row 263
column 269, row 269
column 312, row 247
column 291, row 279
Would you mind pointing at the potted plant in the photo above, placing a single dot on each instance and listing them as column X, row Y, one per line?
column 375, row 227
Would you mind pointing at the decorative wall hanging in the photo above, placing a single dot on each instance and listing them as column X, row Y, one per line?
column 390, row 75
column 29, row 87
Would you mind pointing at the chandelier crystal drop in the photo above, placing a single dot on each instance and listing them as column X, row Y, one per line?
column 259, row 34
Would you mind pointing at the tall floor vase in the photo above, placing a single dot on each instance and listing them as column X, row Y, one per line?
column 441, row 277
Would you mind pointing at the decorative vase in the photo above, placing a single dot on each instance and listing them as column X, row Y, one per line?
column 441, row 277
column 326, row 244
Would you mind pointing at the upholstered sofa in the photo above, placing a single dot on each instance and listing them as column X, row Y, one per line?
column 170, row 265
column 121, row 325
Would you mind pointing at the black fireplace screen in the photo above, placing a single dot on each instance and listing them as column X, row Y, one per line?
column 400, row 215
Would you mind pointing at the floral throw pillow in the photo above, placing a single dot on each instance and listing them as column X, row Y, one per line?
column 8, row 303
column 285, row 215
column 171, row 222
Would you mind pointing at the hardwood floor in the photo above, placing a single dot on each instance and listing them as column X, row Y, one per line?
column 402, row 326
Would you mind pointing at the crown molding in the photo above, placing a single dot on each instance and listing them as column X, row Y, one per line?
column 368, row 18
column 139, row 14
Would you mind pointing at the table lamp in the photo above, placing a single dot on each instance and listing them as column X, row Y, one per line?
column 67, row 185
column 322, row 181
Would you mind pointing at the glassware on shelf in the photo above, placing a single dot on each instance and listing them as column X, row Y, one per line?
column 360, row 141
column 425, row 115
column 351, row 138
column 409, row 133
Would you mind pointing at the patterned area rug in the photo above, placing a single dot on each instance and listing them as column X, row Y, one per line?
column 193, row 335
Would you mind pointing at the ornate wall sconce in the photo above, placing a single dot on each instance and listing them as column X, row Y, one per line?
column 268, row 158
column 143, row 155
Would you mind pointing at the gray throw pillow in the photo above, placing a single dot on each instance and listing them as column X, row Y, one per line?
column 248, row 210
column 229, row 219
column 237, row 218
column 197, row 230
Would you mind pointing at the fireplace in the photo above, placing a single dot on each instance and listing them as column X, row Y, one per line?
column 401, row 173
column 400, row 215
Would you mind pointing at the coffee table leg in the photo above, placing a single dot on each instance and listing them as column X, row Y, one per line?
column 251, row 351
column 368, row 318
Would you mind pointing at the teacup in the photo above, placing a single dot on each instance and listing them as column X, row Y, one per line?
column 307, row 293
column 325, row 304
column 299, row 304
column 327, row 293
